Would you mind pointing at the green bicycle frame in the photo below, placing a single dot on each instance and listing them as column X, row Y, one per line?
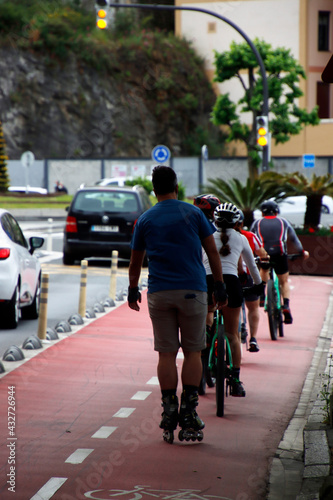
column 212, row 358
column 273, row 276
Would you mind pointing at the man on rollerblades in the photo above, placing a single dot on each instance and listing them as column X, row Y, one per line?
column 172, row 234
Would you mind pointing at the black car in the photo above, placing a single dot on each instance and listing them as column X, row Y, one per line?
column 100, row 220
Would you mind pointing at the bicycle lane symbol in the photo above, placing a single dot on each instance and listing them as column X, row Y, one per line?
column 139, row 492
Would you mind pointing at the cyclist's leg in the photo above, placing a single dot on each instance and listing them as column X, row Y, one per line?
column 253, row 316
column 231, row 322
column 264, row 274
column 282, row 271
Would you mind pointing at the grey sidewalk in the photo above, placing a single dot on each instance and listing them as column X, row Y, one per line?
column 302, row 461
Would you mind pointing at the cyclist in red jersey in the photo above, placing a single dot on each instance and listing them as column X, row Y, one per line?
column 252, row 300
column 275, row 232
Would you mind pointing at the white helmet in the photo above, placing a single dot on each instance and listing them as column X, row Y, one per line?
column 227, row 215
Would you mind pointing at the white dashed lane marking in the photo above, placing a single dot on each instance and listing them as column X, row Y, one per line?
column 124, row 412
column 49, row 488
column 153, row 381
column 141, row 395
column 53, row 484
column 79, row 456
column 104, row 432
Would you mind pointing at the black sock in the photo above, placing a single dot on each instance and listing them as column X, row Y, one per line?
column 286, row 302
column 235, row 373
column 190, row 389
column 168, row 392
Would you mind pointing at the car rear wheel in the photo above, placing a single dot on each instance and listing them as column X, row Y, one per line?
column 325, row 209
column 32, row 311
column 68, row 259
column 11, row 312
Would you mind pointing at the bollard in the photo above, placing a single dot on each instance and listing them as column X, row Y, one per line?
column 83, row 288
column 49, row 236
column 42, row 320
column 113, row 280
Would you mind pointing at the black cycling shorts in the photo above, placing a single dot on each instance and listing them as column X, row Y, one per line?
column 234, row 290
column 249, row 297
column 279, row 263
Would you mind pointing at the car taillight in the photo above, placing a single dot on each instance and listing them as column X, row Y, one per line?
column 71, row 226
column 4, row 253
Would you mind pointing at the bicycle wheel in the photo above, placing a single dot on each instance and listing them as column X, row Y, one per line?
column 220, row 375
column 271, row 309
column 280, row 323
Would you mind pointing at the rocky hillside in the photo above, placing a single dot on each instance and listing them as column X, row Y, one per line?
column 66, row 96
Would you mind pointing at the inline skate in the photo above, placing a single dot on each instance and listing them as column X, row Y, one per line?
column 189, row 421
column 169, row 417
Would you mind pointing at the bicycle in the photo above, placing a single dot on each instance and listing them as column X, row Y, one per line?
column 218, row 365
column 273, row 302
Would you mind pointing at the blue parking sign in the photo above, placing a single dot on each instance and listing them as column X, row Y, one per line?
column 309, row 161
column 160, row 154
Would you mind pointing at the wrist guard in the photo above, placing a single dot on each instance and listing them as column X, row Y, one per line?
column 220, row 292
column 133, row 295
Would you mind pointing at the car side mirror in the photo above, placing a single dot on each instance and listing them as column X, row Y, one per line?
column 35, row 242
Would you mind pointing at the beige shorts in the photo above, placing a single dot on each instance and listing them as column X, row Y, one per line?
column 179, row 319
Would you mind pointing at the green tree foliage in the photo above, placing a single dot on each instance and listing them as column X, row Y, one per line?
column 247, row 197
column 148, row 186
column 163, row 70
column 4, row 179
column 284, row 74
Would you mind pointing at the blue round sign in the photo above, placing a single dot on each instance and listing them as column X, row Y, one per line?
column 160, row 154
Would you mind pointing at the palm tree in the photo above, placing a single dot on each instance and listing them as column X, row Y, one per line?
column 247, row 197
column 297, row 184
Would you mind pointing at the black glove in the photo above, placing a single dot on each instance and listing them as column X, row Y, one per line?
column 220, row 292
column 133, row 295
column 258, row 289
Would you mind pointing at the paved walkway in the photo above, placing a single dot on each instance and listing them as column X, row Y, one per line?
column 299, row 468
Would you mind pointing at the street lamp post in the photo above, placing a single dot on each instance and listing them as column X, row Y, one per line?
column 265, row 157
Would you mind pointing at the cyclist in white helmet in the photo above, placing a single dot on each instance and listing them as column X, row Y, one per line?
column 232, row 245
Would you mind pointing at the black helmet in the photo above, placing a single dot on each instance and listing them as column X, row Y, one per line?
column 207, row 203
column 227, row 215
column 270, row 208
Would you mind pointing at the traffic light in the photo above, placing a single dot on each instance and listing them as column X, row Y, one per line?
column 102, row 7
column 262, row 131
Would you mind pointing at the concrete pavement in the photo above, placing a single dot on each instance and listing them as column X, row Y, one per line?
column 302, row 463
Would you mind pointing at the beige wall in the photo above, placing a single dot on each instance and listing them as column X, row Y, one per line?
column 282, row 23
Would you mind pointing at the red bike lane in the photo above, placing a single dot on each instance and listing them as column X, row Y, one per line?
column 87, row 411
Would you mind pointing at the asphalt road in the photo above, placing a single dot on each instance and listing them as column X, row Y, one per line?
column 64, row 285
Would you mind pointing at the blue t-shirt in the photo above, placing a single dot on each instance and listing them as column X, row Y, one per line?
column 171, row 232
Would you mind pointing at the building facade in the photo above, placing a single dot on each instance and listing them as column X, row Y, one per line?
column 303, row 26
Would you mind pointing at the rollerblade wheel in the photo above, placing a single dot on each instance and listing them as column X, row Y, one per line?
column 200, row 436
column 181, row 435
column 168, row 436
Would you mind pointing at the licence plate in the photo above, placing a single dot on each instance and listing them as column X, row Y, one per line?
column 105, row 229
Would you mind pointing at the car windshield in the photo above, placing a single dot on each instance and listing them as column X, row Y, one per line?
column 106, row 201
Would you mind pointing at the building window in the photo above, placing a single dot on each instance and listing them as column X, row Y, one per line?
column 323, row 100
column 323, row 31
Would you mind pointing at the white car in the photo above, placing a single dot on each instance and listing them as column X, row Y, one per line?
column 20, row 273
column 27, row 189
column 116, row 181
column 297, row 205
